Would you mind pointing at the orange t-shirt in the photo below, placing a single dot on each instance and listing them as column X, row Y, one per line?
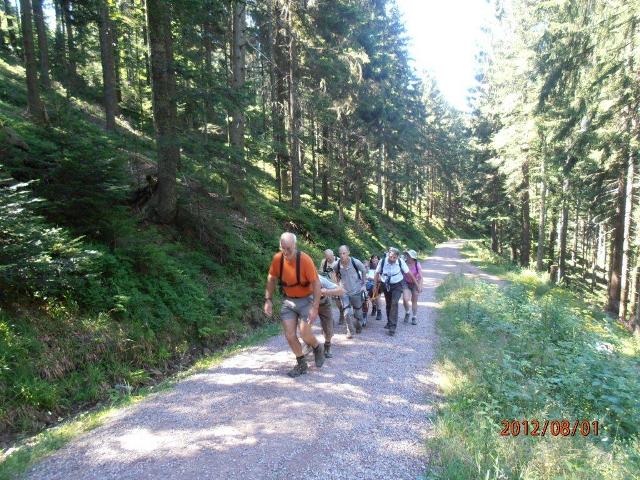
column 308, row 274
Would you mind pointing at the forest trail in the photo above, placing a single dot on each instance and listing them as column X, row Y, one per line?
column 364, row 415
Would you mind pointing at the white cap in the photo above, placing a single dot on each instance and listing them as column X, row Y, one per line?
column 412, row 254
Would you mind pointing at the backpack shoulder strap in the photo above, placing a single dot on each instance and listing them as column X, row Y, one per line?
column 353, row 262
column 281, row 265
column 298, row 267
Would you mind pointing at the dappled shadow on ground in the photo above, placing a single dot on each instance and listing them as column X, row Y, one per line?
column 363, row 415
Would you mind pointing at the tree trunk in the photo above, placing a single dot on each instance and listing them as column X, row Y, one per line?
column 379, row 195
column 59, row 56
column 562, row 264
column 525, row 249
column 72, row 69
column 542, row 220
column 280, row 95
column 11, row 28
column 294, row 112
column 553, row 235
column 626, row 237
column 108, row 66
column 43, row 47
column 326, row 151
column 314, row 160
column 35, row 105
column 164, row 106
column 494, row 236
column 617, row 245
column 238, row 169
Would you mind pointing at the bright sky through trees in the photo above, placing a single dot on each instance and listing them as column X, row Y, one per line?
column 445, row 37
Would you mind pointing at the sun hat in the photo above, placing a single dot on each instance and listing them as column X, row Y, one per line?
column 412, row 254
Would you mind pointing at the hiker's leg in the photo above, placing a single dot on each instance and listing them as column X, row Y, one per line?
column 290, row 326
column 396, row 292
column 326, row 320
column 341, row 310
column 348, row 315
column 387, row 299
column 356, row 304
column 414, row 300
column 307, row 334
column 406, row 298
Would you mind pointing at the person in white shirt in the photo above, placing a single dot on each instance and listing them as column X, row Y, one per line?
column 390, row 272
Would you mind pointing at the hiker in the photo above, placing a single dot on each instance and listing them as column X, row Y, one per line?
column 390, row 271
column 374, row 293
column 351, row 274
column 326, row 269
column 300, row 286
column 411, row 289
column 328, row 289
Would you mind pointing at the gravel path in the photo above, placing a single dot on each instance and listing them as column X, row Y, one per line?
column 364, row 415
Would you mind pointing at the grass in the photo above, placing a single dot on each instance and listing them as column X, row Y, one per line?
column 24, row 455
column 531, row 351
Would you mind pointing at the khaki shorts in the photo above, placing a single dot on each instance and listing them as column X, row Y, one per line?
column 296, row 308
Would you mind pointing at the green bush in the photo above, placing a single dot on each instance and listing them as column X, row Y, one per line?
column 35, row 258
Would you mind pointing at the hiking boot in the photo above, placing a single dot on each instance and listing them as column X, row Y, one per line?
column 358, row 327
column 414, row 321
column 299, row 369
column 379, row 315
column 327, row 350
column 387, row 326
column 364, row 322
column 374, row 310
column 406, row 318
column 392, row 332
column 318, row 355
column 349, row 334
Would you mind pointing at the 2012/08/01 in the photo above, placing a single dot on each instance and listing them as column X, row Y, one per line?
column 536, row 428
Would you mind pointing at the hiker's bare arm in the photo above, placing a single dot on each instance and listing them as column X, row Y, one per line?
column 332, row 292
column 268, row 295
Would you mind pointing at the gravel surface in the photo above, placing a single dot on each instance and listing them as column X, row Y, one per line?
column 364, row 415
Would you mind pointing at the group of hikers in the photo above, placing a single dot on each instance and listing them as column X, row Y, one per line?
column 352, row 284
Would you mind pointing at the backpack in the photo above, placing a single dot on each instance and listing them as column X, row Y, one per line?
column 353, row 262
column 282, row 282
column 325, row 267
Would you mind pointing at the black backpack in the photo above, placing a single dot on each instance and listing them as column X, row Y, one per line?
column 282, row 282
column 353, row 262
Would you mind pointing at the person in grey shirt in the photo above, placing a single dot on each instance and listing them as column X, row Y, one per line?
column 352, row 275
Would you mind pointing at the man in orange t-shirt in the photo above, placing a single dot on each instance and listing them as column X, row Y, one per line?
column 301, row 288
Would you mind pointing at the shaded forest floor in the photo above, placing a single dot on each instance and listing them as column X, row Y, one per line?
column 96, row 301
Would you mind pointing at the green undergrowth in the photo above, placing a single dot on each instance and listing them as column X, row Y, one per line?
column 530, row 351
column 94, row 300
